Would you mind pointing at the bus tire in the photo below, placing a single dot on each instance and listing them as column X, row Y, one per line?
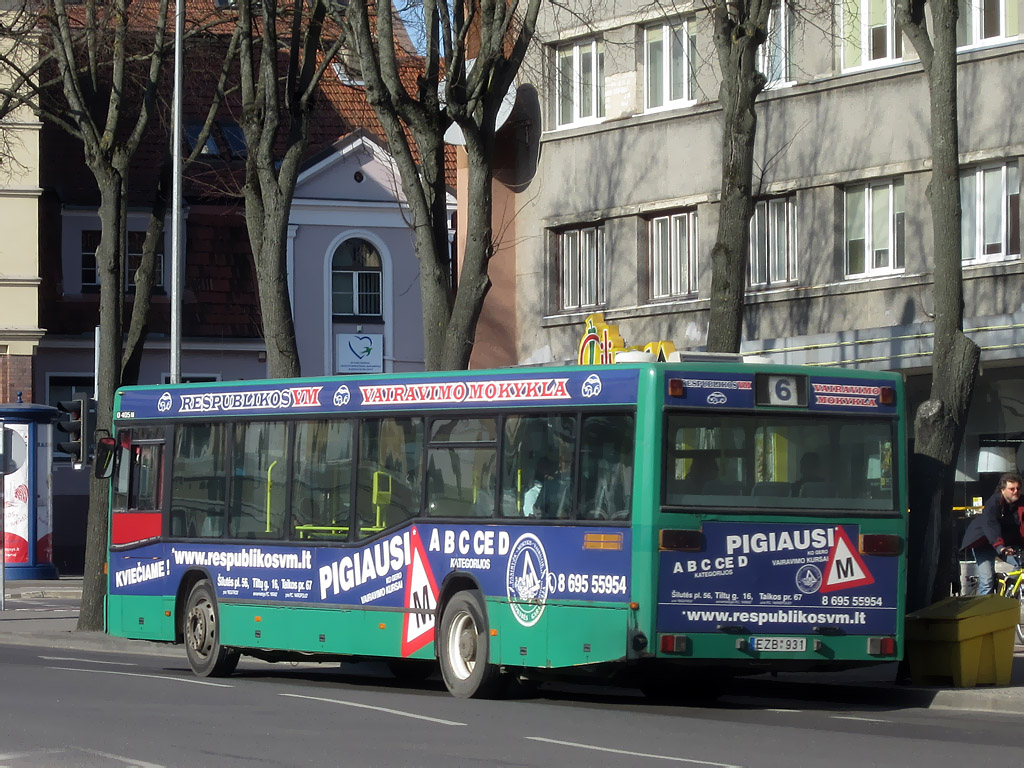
column 201, row 631
column 464, row 648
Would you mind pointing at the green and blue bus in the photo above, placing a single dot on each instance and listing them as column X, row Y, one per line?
column 638, row 521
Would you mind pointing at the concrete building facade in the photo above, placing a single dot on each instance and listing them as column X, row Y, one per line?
column 619, row 212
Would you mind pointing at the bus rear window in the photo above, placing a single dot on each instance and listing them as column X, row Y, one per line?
column 778, row 461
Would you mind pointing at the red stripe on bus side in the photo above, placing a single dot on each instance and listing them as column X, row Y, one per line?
column 127, row 527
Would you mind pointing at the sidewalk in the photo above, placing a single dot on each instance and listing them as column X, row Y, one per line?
column 876, row 684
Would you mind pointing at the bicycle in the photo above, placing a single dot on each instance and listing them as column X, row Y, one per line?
column 1011, row 584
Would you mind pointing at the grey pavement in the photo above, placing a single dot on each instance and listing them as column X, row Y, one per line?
column 879, row 683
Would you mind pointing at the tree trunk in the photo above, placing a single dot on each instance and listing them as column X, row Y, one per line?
column 737, row 41
column 269, row 250
column 145, row 277
column 940, row 421
column 473, row 280
column 110, row 264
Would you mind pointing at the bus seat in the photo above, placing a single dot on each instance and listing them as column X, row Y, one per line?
column 770, row 489
column 817, row 490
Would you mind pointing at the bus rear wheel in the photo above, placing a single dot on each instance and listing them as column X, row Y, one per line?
column 201, row 630
column 464, row 648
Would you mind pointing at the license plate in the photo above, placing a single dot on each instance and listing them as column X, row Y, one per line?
column 778, row 643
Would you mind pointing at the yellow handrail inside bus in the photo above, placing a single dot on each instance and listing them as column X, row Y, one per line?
column 381, row 494
column 270, row 485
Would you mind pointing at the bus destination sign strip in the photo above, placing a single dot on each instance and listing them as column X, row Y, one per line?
column 825, row 394
column 354, row 395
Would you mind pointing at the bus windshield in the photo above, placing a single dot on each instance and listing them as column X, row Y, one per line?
column 778, row 461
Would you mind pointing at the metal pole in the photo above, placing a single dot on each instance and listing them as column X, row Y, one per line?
column 3, row 514
column 177, row 280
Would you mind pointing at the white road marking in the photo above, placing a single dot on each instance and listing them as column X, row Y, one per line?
column 631, row 754
column 139, row 674
column 126, row 760
column 88, row 661
column 861, row 719
column 782, row 710
column 398, row 712
column 19, row 755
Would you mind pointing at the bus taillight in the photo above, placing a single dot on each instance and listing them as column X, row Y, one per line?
column 887, row 395
column 675, row 644
column 683, row 541
column 882, row 646
column 880, row 544
column 676, row 388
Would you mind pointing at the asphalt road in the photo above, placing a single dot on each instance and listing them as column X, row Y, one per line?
column 66, row 708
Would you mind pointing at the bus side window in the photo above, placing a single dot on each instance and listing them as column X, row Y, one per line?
column 461, row 457
column 258, row 485
column 321, row 502
column 390, row 473
column 199, row 480
column 537, row 468
column 606, row 471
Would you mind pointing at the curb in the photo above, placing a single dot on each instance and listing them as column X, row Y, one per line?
column 35, row 594
column 91, row 641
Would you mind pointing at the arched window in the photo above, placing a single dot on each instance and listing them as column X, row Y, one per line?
column 356, row 280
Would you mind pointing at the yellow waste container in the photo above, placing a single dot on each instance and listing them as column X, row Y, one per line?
column 968, row 640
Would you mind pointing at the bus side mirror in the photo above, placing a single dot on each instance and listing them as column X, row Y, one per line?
column 103, row 462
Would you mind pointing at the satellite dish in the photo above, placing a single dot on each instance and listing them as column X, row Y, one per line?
column 454, row 133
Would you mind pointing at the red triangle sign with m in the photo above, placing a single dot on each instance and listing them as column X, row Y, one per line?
column 845, row 567
column 420, row 599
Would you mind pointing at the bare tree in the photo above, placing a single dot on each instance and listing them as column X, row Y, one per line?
column 281, row 64
column 94, row 69
column 416, row 99
column 740, row 29
column 109, row 80
column 940, row 421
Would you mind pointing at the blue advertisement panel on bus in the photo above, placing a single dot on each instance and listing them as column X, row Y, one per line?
column 784, row 578
column 529, row 567
column 354, row 395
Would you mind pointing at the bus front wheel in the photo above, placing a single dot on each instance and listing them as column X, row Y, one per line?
column 464, row 648
column 201, row 629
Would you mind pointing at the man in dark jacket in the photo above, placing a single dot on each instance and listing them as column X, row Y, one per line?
column 996, row 532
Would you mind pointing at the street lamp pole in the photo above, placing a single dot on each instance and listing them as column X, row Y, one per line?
column 177, row 280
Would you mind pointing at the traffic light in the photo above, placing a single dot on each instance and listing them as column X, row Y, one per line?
column 82, row 412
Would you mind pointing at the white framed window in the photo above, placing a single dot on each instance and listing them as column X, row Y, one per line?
column 870, row 35
column 773, row 57
column 986, row 22
column 669, row 71
column 990, row 213
column 579, row 83
column 773, row 242
column 135, row 242
column 356, row 280
column 673, row 251
column 874, row 228
column 581, row 268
